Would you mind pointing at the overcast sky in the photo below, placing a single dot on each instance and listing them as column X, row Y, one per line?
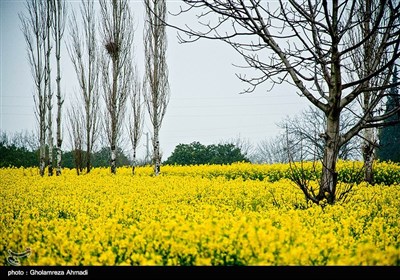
column 205, row 104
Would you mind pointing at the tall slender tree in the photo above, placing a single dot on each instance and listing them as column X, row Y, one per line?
column 117, row 30
column 156, row 85
column 362, row 58
column 136, row 119
column 84, row 54
column 59, row 11
column 33, row 26
column 47, row 58
column 76, row 134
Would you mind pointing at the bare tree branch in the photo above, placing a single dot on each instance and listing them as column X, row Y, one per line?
column 33, row 26
column 311, row 45
column 117, row 31
column 84, row 54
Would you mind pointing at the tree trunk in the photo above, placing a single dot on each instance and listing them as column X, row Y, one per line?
column 332, row 135
column 59, row 105
column 59, row 151
column 134, row 161
column 114, row 100
column 50, row 121
column 156, row 157
column 88, row 140
column 113, row 159
column 49, row 92
column 88, row 158
column 50, row 150
column 78, row 160
column 42, row 115
column 50, row 131
column 368, row 154
column 329, row 175
column 42, row 112
column 42, row 152
column 368, row 147
column 50, row 135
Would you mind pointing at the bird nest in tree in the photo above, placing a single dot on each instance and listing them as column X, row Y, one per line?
column 112, row 48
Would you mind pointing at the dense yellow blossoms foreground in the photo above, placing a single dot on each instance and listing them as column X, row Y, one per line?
column 192, row 219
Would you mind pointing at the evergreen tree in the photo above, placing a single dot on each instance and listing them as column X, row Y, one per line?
column 13, row 156
column 389, row 136
column 17, row 150
column 197, row 153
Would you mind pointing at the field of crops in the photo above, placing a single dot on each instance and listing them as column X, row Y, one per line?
column 241, row 214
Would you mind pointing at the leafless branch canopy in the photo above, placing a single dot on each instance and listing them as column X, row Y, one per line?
column 136, row 120
column 156, row 76
column 59, row 11
column 117, row 31
column 156, row 85
column 84, row 54
column 312, row 45
column 35, row 30
column 302, row 43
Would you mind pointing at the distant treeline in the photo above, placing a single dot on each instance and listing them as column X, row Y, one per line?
column 22, row 150
column 13, row 156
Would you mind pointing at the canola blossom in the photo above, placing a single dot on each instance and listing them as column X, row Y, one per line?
column 194, row 215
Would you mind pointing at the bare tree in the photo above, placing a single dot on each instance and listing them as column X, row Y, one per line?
column 33, row 26
column 362, row 59
column 156, row 86
column 59, row 17
column 304, row 132
column 136, row 119
column 117, row 31
column 76, row 134
column 245, row 146
column 274, row 150
column 47, row 58
column 20, row 139
column 306, row 44
column 84, row 54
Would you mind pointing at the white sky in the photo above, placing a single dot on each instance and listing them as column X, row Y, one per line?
column 205, row 103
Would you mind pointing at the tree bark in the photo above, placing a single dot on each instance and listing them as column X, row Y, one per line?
column 118, row 37
column 156, row 81
column 113, row 163
column 156, row 156
column 368, row 154
column 133, row 161
column 84, row 56
column 329, row 175
column 59, row 18
column 49, row 92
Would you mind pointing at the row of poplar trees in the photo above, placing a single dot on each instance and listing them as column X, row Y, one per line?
column 100, row 44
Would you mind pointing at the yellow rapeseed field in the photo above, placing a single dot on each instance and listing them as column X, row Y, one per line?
column 188, row 216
